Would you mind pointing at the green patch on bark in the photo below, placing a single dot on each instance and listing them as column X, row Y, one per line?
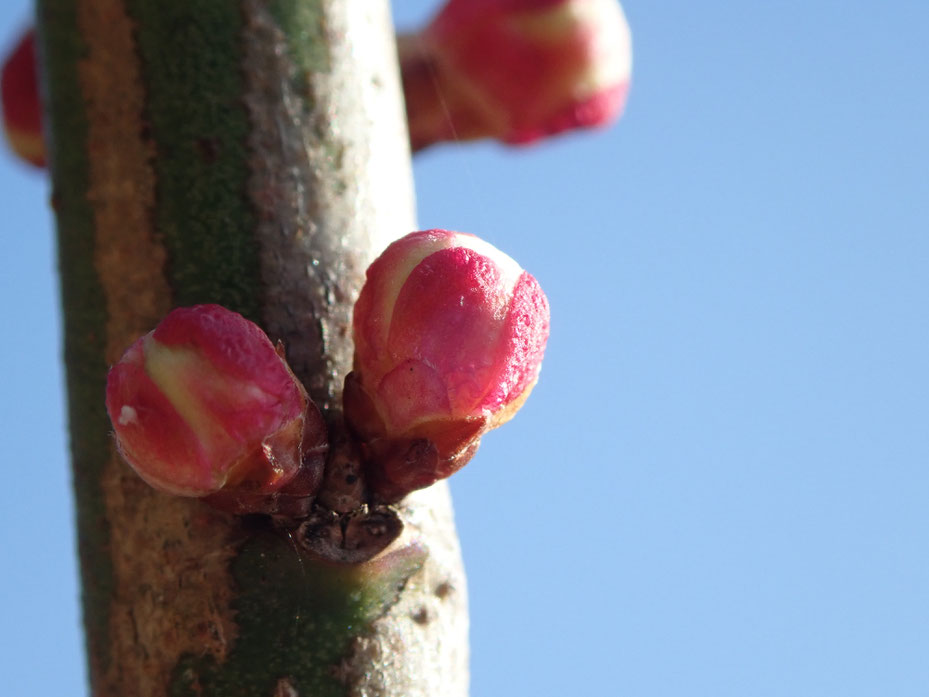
column 296, row 620
column 190, row 55
column 304, row 24
column 84, row 310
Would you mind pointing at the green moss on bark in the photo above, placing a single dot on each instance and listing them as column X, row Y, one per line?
column 84, row 309
column 190, row 58
column 305, row 26
column 297, row 618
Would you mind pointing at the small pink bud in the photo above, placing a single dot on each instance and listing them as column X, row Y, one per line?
column 515, row 70
column 22, row 109
column 449, row 337
column 205, row 405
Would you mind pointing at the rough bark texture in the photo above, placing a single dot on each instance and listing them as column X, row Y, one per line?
column 249, row 153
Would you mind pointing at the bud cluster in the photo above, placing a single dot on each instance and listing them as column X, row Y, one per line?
column 512, row 70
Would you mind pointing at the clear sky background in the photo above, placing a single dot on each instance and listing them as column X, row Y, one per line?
column 719, row 486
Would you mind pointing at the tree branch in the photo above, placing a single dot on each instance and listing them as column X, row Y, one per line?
column 252, row 154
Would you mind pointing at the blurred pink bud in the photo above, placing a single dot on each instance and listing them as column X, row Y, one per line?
column 449, row 337
column 515, row 70
column 22, row 108
column 205, row 405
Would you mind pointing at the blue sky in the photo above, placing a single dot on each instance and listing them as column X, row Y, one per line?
column 719, row 486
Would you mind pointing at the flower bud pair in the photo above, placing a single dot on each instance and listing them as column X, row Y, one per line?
column 449, row 336
column 205, row 406
column 515, row 70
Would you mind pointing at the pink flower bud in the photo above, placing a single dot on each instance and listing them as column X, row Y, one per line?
column 22, row 109
column 449, row 337
column 515, row 70
column 205, row 405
